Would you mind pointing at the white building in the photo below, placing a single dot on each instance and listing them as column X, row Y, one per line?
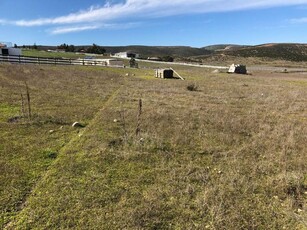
column 6, row 49
column 127, row 54
column 102, row 62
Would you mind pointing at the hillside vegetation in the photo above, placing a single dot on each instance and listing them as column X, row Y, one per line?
column 290, row 52
column 149, row 51
column 284, row 52
column 228, row 154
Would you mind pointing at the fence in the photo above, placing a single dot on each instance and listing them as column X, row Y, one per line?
column 50, row 61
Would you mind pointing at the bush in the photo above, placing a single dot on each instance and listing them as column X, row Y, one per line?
column 192, row 87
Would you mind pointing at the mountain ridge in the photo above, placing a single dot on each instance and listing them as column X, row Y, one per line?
column 283, row 51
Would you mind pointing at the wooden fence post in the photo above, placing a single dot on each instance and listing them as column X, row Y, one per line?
column 138, row 125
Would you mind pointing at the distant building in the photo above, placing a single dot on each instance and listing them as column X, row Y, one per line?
column 7, row 49
column 154, row 59
column 127, row 54
column 90, row 60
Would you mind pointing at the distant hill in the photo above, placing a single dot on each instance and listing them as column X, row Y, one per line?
column 280, row 51
column 149, row 51
column 223, row 47
column 289, row 52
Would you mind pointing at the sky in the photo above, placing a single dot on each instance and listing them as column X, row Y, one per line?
column 195, row 23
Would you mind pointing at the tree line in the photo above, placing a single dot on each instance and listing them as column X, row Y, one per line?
column 95, row 49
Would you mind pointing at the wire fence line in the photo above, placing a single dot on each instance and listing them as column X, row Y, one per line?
column 50, row 61
column 85, row 62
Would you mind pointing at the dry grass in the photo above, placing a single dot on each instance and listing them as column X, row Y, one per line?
column 230, row 155
column 60, row 96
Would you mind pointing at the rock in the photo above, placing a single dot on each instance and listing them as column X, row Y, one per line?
column 51, row 131
column 115, row 120
column 77, row 124
column 299, row 210
column 127, row 74
column 216, row 71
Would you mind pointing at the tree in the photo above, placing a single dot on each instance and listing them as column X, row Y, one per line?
column 66, row 47
column 15, row 46
column 70, row 48
column 63, row 46
column 82, row 50
column 167, row 59
column 133, row 63
column 95, row 49
column 35, row 46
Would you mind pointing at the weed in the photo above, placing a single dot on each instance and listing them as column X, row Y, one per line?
column 192, row 87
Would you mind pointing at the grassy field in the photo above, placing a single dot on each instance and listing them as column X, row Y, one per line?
column 229, row 155
column 45, row 54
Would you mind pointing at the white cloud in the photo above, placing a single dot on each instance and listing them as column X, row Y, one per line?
column 128, row 10
column 65, row 30
column 298, row 20
column 3, row 22
column 78, row 28
column 154, row 8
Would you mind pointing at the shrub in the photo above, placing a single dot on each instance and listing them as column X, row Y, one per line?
column 192, row 87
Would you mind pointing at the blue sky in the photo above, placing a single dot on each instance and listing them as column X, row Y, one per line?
column 194, row 23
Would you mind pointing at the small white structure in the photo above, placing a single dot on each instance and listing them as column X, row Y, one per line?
column 6, row 49
column 240, row 69
column 167, row 73
column 164, row 73
column 154, row 59
column 101, row 62
column 127, row 54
